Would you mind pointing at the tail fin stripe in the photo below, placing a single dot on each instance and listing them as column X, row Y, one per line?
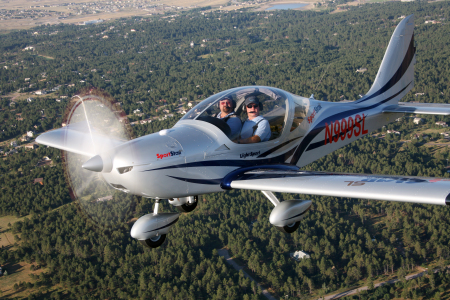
column 398, row 75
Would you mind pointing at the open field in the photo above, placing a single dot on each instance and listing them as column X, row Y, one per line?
column 17, row 272
column 55, row 12
column 6, row 236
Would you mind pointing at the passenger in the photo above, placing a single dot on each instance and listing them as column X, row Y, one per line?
column 227, row 115
column 255, row 129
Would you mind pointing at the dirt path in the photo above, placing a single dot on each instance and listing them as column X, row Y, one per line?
column 226, row 255
column 363, row 288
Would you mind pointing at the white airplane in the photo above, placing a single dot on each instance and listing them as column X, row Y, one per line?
column 201, row 154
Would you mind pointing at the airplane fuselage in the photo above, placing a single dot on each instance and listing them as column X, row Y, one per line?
column 194, row 156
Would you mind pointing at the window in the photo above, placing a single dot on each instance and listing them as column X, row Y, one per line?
column 272, row 107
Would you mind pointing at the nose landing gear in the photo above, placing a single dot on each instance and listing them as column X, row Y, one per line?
column 151, row 229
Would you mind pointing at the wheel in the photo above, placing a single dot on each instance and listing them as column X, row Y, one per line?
column 154, row 242
column 289, row 228
column 187, row 207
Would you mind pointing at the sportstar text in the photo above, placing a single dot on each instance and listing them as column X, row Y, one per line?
column 171, row 153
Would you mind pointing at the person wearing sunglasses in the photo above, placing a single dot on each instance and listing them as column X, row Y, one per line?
column 256, row 128
column 227, row 115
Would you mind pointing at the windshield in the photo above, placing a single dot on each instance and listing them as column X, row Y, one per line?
column 246, row 112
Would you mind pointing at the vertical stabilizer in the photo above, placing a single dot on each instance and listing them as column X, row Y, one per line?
column 396, row 74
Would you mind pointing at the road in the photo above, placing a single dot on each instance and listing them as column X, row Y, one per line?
column 226, row 255
column 363, row 288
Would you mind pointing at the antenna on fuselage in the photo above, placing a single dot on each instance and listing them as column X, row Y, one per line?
column 312, row 95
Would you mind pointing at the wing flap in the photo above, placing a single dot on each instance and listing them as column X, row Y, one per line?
column 76, row 139
column 376, row 187
column 419, row 108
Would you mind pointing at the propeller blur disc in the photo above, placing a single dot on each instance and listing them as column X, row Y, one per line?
column 95, row 113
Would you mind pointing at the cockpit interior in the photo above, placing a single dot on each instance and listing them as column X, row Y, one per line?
column 274, row 107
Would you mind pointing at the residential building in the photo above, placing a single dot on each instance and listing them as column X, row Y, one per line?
column 441, row 123
column 417, row 120
column 297, row 255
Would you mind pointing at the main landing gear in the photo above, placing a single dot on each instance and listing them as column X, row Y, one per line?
column 286, row 215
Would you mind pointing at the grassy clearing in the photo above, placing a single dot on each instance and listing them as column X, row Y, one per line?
column 206, row 55
column 6, row 236
column 17, row 272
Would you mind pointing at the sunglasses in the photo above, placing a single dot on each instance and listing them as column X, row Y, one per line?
column 252, row 106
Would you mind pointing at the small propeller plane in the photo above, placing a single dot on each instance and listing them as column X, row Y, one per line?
column 202, row 155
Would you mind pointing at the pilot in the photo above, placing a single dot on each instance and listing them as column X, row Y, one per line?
column 255, row 129
column 227, row 114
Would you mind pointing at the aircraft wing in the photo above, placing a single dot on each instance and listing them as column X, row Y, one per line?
column 77, row 138
column 377, row 187
column 419, row 108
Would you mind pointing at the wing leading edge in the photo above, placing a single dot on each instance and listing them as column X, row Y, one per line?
column 376, row 187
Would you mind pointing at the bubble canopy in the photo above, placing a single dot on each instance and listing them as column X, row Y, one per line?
column 273, row 107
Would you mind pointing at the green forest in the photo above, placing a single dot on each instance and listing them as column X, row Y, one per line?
column 146, row 63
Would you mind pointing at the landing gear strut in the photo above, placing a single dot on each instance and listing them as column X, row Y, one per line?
column 286, row 215
column 151, row 229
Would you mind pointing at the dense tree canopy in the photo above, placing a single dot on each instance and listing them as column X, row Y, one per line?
column 349, row 240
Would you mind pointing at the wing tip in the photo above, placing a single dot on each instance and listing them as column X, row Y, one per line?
column 447, row 200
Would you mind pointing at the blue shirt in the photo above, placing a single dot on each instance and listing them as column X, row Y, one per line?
column 234, row 123
column 263, row 130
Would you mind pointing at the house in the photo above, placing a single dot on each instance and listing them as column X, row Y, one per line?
column 30, row 133
column 31, row 146
column 45, row 161
column 137, row 111
column 40, row 92
column 297, row 255
column 30, row 99
column 13, row 144
column 393, row 131
column 441, row 123
column 445, row 134
column 39, row 180
column 25, row 138
column 106, row 198
column 417, row 120
column 361, row 70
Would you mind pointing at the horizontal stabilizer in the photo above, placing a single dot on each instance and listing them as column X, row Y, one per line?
column 76, row 138
column 419, row 108
column 376, row 187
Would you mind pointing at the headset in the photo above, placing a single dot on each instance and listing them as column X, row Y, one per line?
column 233, row 102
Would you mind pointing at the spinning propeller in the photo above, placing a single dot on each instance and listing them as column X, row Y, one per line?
column 95, row 114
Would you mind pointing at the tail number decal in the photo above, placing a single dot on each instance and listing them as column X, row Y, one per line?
column 345, row 128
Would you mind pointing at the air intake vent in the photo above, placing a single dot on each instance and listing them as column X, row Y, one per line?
column 124, row 169
column 118, row 186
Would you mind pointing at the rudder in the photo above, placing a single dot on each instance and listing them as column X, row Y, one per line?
column 395, row 76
